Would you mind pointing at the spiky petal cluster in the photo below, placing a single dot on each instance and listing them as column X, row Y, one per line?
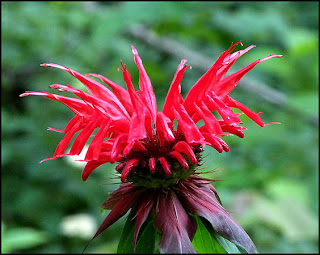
column 132, row 132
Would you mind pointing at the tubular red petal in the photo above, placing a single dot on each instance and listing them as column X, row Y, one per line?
column 137, row 128
column 118, row 146
column 223, row 144
column 137, row 125
column 147, row 95
column 97, row 105
column 228, row 61
column 119, row 91
column 215, row 103
column 251, row 114
column 209, row 79
column 162, row 125
column 66, row 139
column 152, row 164
column 76, row 105
column 187, row 125
column 126, row 170
column 180, row 158
column 233, row 129
column 213, row 141
column 225, row 86
column 83, row 137
column 94, row 87
column 165, row 165
column 185, row 148
column 210, row 120
column 148, row 125
column 71, row 123
column 96, row 143
column 90, row 166
column 174, row 94
column 139, row 146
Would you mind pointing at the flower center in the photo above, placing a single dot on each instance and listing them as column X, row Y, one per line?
column 160, row 165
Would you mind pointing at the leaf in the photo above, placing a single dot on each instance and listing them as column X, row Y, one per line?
column 204, row 240
column 147, row 241
column 16, row 239
column 226, row 244
column 126, row 240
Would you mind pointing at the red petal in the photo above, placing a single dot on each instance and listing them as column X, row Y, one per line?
column 174, row 94
column 126, row 170
column 118, row 146
column 180, row 158
column 165, row 165
column 225, row 86
column 215, row 103
column 211, row 122
column 83, row 137
column 146, row 90
column 164, row 126
column 251, row 114
column 187, row 125
column 119, row 91
column 152, row 164
column 66, row 139
column 90, row 166
column 94, row 87
column 213, row 141
column 96, row 143
column 137, row 125
column 76, row 105
column 186, row 149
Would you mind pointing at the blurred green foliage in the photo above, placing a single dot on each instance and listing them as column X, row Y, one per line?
column 271, row 175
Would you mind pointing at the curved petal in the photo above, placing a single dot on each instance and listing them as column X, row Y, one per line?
column 146, row 90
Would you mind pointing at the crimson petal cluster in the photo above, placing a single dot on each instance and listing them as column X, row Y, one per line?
column 127, row 117
column 150, row 149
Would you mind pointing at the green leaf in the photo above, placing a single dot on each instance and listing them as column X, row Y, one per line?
column 16, row 239
column 226, row 244
column 148, row 238
column 125, row 244
column 146, row 243
column 204, row 240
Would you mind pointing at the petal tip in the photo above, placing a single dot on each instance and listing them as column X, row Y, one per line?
column 24, row 95
column 135, row 52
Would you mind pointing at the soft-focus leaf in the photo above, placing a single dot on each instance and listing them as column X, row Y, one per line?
column 16, row 239
column 204, row 241
column 147, row 241
column 126, row 239
column 226, row 244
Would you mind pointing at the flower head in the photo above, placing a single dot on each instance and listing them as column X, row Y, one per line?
column 157, row 160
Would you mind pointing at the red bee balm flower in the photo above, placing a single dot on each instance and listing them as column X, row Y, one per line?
column 158, row 161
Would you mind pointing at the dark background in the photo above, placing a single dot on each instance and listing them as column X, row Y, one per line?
column 271, row 185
